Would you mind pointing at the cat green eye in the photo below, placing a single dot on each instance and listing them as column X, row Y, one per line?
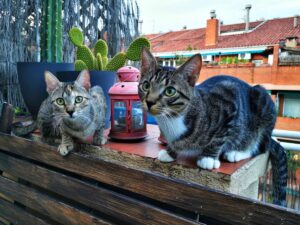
column 170, row 91
column 146, row 86
column 78, row 99
column 60, row 101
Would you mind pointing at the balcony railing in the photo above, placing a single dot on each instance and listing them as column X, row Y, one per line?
column 290, row 60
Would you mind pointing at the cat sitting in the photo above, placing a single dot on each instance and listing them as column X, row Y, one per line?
column 72, row 111
column 222, row 117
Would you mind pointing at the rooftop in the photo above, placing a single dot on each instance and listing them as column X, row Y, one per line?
column 267, row 32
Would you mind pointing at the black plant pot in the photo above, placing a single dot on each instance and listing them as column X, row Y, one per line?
column 32, row 81
column 104, row 79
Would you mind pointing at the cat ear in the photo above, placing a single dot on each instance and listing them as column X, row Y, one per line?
column 147, row 61
column 51, row 81
column 83, row 79
column 190, row 70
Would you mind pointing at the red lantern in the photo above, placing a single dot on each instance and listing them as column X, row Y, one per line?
column 128, row 120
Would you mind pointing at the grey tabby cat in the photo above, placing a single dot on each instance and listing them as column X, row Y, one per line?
column 223, row 117
column 72, row 111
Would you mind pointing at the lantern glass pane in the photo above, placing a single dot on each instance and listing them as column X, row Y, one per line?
column 138, row 116
column 120, row 116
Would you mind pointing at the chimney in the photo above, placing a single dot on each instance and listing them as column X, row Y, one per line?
column 247, row 7
column 212, row 27
column 295, row 21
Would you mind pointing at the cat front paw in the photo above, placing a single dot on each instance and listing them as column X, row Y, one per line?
column 208, row 163
column 235, row 156
column 64, row 149
column 164, row 156
column 100, row 140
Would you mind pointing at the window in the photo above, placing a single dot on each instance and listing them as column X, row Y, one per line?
column 291, row 105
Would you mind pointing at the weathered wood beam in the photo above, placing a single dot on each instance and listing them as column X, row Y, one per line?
column 105, row 201
column 6, row 118
column 179, row 193
column 47, row 206
column 17, row 215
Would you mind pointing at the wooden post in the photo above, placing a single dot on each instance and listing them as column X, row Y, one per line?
column 6, row 118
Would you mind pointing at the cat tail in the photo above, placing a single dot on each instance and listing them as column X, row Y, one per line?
column 278, row 158
column 24, row 128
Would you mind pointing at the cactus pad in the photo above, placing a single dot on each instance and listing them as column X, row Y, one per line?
column 116, row 62
column 104, row 61
column 86, row 55
column 80, row 65
column 101, row 47
column 76, row 36
column 99, row 61
column 135, row 48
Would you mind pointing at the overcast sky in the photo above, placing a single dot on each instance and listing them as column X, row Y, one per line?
column 166, row 15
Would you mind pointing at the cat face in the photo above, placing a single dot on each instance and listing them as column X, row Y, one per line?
column 68, row 100
column 164, row 92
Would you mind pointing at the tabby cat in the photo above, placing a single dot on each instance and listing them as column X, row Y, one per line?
column 72, row 111
column 222, row 117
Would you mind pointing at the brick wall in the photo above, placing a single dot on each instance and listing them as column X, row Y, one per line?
column 283, row 75
column 285, row 123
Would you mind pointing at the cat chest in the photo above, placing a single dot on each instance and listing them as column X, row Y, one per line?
column 172, row 128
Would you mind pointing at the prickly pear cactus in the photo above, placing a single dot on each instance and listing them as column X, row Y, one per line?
column 76, row 36
column 135, row 48
column 86, row 55
column 99, row 61
column 101, row 47
column 80, row 65
column 104, row 61
column 116, row 62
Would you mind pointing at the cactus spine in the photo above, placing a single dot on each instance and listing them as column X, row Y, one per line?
column 51, row 31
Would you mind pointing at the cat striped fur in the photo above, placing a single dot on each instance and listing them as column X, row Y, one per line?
column 223, row 117
column 72, row 110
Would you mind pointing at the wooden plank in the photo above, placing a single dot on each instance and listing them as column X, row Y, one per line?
column 4, row 221
column 196, row 198
column 108, row 202
column 17, row 215
column 45, row 205
column 6, row 118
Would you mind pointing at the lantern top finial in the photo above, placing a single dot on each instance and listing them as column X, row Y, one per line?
column 128, row 74
column 124, row 88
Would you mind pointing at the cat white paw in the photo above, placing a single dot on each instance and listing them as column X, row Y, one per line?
column 163, row 156
column 103, row 141
column 208, row 163
column 235, row 156
column 100, row 141
column 64, row 149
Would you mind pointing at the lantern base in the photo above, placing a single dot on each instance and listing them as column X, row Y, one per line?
column 128, row 136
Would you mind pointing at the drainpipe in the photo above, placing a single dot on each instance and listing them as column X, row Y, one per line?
column 247, row 7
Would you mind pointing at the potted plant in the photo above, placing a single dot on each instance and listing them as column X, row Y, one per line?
column 31, row 74
column 102, row 70
column 245, row 63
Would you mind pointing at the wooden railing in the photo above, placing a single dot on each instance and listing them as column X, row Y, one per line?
column 38, row 186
